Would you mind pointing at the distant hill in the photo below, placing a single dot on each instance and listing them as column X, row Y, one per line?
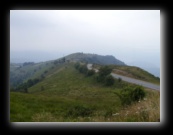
column 94, row 58
column 21, row 72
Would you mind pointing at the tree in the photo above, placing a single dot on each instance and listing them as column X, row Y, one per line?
column 83, row 69
column 45, row 71
column 30, row 83
column 26, row 90
column 109, row 80
column 77, row 65
column 42, row 76
column 90, row 72
column 119, row 79
column 63, row 59
column 36, row 80
column 103, row 72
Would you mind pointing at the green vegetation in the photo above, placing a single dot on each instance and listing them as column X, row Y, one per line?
column 130, row 94
column 109, row 80
column 132, row 71
column 68, row 95
column 104, row 76
column 21, row 73
column 82, row 68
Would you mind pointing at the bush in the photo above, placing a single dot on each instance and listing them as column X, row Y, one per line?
column 45, row 71
column 90, row 72
column 129, row 95
column 138, row 94
column 83, row 69
column 77, row 65
column 119, row 79
column 99, row 78
column 109, row 80
column 104, row 71
column 125, row 96
column 78, row 110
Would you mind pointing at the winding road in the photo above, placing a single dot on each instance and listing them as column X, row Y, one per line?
column 131, row 80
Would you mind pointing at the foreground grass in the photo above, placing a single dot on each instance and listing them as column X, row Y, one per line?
column 69, row 96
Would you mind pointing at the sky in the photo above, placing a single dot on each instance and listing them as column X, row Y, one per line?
column 132, row 36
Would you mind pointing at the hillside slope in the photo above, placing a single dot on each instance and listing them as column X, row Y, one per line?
column 65, row 95
column 21, row 72
column 133, row 72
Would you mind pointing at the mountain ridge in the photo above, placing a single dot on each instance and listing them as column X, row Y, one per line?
column 94, row 58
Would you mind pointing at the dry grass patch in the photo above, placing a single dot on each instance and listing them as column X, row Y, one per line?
column 147, row 110
column 43, row 117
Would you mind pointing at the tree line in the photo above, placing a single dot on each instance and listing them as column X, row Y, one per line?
column 62, row 60
column 28, row 63
column 25, row 85
column 127, row 95
column 82, row 68
column 103, row 76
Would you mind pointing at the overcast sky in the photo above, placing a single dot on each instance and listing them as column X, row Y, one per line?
column 129, row 35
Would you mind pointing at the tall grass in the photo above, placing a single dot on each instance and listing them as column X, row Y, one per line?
column 69, row 96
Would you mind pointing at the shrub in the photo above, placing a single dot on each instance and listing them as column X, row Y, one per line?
column 83, row 69
column 104, row 76
column 99, row 78
column 104, row 71
column 108, row 113
column 125, row 96
column 78, row 110
column 119, row 79
column 77, row 65
column 129, row 95
column 109, row 80
column 90, row 72
column 138, row 93
column 45, row 71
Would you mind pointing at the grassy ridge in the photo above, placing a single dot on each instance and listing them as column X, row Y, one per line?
column 70, row 96
column 133, row 72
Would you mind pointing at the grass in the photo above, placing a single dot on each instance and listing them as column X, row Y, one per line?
column 69, row 96
column 133, row 72
column 142, row 111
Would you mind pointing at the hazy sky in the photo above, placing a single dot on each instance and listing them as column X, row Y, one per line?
column 129, row 35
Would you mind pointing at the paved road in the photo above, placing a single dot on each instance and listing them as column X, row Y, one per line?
column 131, row 80
column 135, row 81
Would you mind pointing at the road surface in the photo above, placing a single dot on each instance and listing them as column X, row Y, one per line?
column 131, row 80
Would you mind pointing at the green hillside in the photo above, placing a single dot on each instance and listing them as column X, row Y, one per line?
column 20, row 73
column 133, row 72
column 65, row 95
